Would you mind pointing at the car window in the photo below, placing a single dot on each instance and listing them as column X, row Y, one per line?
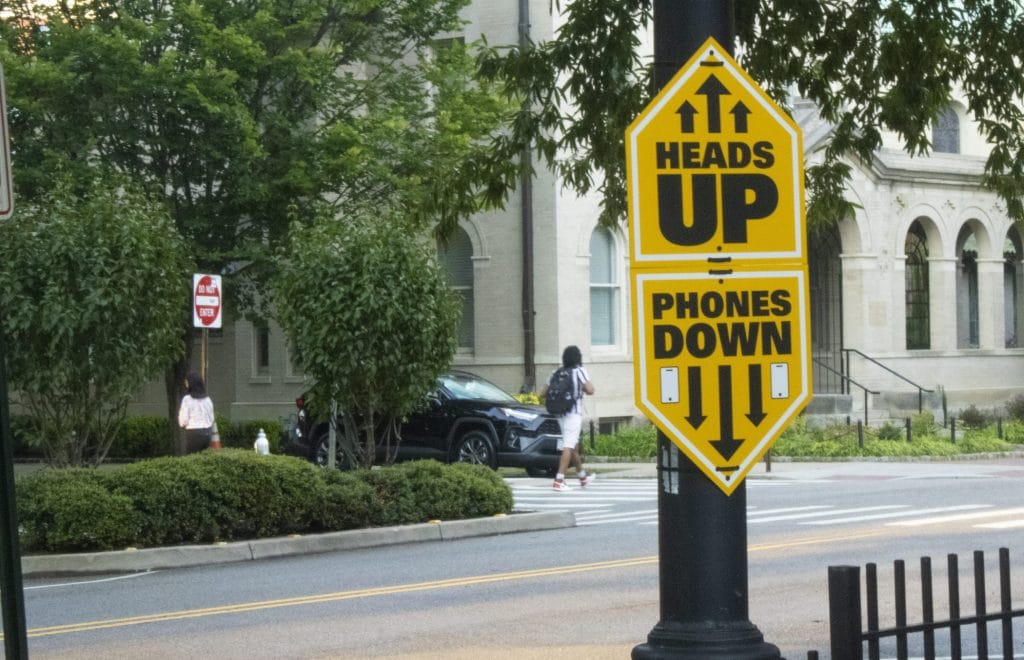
column 464, row 386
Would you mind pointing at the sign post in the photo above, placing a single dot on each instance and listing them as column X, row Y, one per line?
column 206, row 311
column 11, row 587
column 720, row 316
column 6, row 194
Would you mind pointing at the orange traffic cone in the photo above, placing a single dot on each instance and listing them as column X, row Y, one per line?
column 215, row 438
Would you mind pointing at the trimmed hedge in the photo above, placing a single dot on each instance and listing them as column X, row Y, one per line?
column 72, row 509
column 242, row 435
column 142, row 436
column 151, row 436
column 237, row 494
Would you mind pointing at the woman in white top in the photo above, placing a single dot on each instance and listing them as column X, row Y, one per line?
column 196, row 414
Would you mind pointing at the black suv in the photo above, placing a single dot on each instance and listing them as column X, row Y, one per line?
column 466, row 419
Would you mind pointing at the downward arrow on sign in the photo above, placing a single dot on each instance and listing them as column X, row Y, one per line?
column 696, row 416
column 727, row 444
column 756, row 414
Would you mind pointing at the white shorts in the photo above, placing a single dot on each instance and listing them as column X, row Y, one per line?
column 571, row 425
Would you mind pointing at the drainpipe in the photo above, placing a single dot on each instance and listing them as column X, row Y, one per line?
column 526, row 216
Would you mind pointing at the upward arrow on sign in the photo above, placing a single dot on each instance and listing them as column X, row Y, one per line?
column 711, row 90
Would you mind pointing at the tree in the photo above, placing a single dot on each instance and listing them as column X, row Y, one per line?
column 80, row 338
column 370, row 319
column 869, row 67
column 247, row 116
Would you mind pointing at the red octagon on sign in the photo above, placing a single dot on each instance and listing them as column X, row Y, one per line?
column 207, row 301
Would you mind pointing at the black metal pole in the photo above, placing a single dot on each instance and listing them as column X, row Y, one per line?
column 702, row 532
column 11, row 589
column 702, row 546
column 844, row 612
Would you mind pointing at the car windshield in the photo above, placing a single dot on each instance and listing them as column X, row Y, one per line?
column 466, row 386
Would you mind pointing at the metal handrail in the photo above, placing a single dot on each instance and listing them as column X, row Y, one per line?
column 920, row 390
column 846, row 381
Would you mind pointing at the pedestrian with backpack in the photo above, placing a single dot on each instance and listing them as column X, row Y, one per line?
column 563, row 396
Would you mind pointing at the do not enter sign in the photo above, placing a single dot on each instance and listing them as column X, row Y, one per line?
column 206, row 301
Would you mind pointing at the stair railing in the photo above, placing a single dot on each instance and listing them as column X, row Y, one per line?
column 920, row 390
column 847, row 381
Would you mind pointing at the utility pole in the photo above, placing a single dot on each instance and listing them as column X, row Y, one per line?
column 12, row 595
column 702, row 531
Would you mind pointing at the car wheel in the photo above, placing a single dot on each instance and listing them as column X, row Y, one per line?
column 541, row 472
column 342, row 460
column 476, row 447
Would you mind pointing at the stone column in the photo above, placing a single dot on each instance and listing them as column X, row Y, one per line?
column 991, row 304
column 942, row 302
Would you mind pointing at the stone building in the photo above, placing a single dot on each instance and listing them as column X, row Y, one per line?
column 918, row 293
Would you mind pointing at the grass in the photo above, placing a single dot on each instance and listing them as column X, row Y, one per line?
column 805, row 440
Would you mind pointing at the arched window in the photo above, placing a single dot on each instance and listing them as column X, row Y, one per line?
column 825, row 273
column 604, row 288
column 456, row 257
column 916, row 286
column 946, row 133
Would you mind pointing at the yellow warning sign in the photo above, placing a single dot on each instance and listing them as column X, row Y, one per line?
column 723, row 362
column 715, row 169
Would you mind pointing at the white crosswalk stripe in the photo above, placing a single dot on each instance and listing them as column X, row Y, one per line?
column 895, row 514
column 607, row 502
column 829, row 511
column 590, row 518
column 1006, row 524
column 959, row 517
column 592, row 505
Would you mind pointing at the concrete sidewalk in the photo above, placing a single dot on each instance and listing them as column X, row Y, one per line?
column 131, row 560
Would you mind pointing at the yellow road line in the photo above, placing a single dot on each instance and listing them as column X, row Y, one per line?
column 397, row 589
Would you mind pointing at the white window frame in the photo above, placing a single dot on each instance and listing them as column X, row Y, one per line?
column 613, row 286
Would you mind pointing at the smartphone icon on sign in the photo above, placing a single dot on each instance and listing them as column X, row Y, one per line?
column 670, row 384
column 780, row 380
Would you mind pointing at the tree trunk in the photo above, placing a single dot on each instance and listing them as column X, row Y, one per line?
column 174, row 383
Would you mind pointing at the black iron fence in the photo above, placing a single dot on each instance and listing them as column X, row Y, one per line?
column 849, row 640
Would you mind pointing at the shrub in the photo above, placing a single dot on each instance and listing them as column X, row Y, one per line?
column 144, row 436
column 395, row 495
column 528, row 397
column 972, row 418
column 225, row 495
column 978, row 442
column 455, row 491
column 889, row 431
column 67, row 510
column 1013, row 432
column 171, row 496
column 237, row 494
column 923, row 425
column 1015, row 408
column 252, row 495
column 633, row 441
column 242, row 435
column 25, row 443
column 349, row 502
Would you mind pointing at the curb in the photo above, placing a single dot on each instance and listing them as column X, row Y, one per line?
column 150, row 559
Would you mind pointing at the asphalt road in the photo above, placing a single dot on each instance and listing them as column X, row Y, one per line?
column 589, row 591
